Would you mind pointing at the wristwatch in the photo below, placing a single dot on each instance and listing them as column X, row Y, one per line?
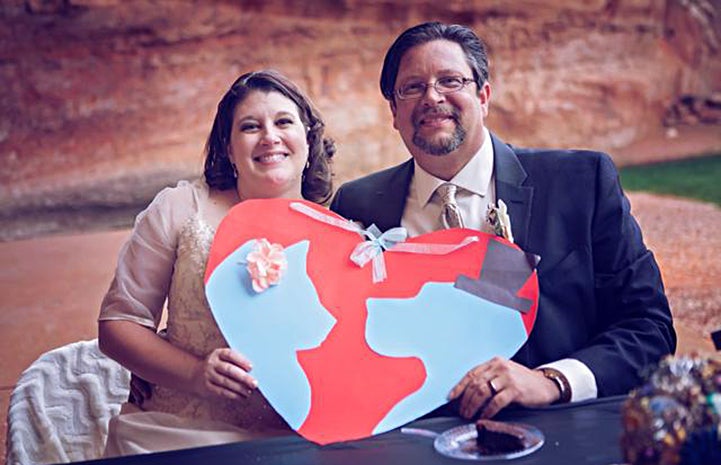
column 564, row 387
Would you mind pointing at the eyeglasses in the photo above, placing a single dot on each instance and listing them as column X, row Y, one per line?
column 444, row 85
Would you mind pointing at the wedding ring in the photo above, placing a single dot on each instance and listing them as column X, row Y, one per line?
column 493, row 389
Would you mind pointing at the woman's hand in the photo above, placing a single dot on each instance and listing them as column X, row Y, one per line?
column 224, row 373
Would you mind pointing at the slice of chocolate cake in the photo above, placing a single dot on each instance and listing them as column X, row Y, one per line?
column 495, row 437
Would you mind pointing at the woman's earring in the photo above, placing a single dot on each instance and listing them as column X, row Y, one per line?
column 235, row 171
column 305, row 170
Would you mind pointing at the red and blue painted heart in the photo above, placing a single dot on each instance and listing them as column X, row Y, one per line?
column 342, row 357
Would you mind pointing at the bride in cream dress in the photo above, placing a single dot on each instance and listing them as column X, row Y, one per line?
column 266, row 142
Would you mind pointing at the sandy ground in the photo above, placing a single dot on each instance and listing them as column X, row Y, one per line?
column 684, row 235
column 52, row 287
column 664, row 144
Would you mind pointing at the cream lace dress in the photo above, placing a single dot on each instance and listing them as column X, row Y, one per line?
column 166, row 256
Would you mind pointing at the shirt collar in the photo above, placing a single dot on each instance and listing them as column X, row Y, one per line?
column 475, row 177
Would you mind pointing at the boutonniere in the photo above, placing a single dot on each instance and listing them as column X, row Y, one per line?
column 500, row 220
column 266, row 264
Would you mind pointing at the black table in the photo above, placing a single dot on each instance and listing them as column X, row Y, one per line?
column 582, row 433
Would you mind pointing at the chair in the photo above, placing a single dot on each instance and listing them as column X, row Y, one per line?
column 60, row 407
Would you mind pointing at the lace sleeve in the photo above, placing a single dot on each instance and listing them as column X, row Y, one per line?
column 145, row 264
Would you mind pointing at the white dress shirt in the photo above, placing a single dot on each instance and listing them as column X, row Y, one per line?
column 476, row 190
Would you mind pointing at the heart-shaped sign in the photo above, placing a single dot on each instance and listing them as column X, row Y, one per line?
column 342, row 357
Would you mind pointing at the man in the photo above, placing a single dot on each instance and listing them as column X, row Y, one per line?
column 602, row 314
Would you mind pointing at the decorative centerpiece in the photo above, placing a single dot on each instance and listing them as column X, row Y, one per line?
column 674, row 418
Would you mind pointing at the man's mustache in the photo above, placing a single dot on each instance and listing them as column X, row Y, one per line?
column 439, row 110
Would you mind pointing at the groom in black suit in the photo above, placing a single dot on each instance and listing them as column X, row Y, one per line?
column 602, row 315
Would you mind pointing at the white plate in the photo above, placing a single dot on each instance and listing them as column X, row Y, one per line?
column 460, row 443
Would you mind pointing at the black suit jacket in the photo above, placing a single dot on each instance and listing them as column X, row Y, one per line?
column 602, row 299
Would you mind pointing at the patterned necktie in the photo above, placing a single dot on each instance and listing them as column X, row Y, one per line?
column 451, row 213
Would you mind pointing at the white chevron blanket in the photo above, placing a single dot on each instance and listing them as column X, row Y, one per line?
column 60, row 407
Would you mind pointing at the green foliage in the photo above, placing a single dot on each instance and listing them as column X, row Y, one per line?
column 697, row 178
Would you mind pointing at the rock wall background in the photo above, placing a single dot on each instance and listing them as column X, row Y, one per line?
column 103, row 102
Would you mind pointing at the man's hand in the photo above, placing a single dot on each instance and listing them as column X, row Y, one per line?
column 224, row 373
column 493, row 385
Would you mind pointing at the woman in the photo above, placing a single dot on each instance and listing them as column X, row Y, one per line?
column 266, row 142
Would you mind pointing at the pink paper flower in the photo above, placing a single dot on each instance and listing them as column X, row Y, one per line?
column 266, row 264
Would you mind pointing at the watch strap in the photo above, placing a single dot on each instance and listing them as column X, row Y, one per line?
column 564, row 387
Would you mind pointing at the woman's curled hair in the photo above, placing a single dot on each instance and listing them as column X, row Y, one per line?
column 316, row 185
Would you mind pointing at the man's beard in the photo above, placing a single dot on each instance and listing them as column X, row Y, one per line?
column 442, row 147
column 445, row 145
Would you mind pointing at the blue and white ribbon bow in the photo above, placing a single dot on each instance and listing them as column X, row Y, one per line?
column 372, row 249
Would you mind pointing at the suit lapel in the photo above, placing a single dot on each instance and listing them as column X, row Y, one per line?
column 391, row 197
column 510, row 176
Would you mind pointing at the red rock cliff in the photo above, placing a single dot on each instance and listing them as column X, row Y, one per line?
column 102, row 102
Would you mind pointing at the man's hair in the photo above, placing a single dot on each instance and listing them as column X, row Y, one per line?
column 473, row 47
